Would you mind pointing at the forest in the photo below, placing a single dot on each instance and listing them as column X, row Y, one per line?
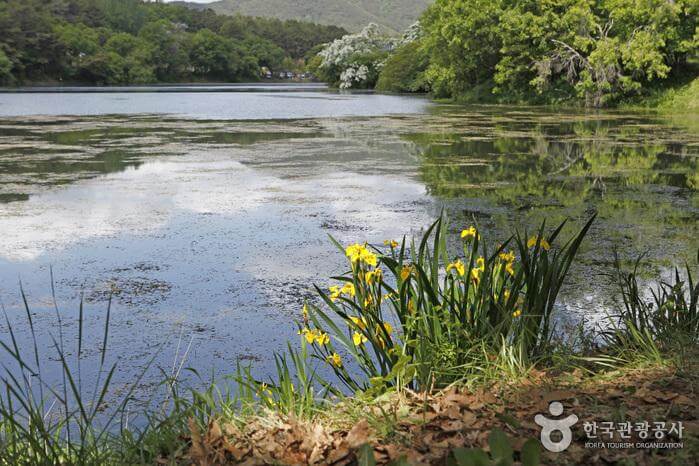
column 132, row 42
column 593, row 52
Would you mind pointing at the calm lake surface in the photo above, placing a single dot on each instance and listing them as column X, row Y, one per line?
column 207, row 214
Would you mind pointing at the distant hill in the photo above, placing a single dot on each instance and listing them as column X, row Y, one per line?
column 393, row 15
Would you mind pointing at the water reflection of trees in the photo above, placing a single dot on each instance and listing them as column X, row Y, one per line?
column 563, row 169
column 644, row 190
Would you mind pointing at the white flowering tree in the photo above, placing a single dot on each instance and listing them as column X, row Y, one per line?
column 355, row 60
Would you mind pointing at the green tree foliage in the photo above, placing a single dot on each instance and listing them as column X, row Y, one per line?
column 404, row 70
column 133, row 41
column 5, row 69
column 555, row 50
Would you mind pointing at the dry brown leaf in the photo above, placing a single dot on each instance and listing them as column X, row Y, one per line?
column 451, row 426
column 359, row 435
column 468, row 418
column 684, row 400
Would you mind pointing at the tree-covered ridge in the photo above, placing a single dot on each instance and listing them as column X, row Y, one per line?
column 131, row 41
column 391, row 15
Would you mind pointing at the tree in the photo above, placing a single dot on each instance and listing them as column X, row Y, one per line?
column 5, row 69
column 531, row 50
column 135, row 52
column 404, row 70
column 354, row 60
column 27, row 34
column 168, row 49
column 463, row 40
column 211, row 54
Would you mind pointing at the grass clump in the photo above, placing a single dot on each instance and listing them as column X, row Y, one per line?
column 660, row 320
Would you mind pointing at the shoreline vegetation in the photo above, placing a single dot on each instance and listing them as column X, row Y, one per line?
column 435, row 350
column 565, row 53
column 600, row 53
column 110, row 42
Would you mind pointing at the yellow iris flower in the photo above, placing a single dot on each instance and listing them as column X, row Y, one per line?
column 315, row 335
column 386, row 325
column 480, row 263
column 374, row 276
column 458, row 266
column 334, row 293
column 469, row 233
column 507, row 256
column 335, row 360
column 361, row 323
column 405, row 272
column 534, row 240
column 392, row 243
column 348, row 289
column 517, row 313
column 322, row 338
column 476, row 275
column 358, row 339
column 509, row 268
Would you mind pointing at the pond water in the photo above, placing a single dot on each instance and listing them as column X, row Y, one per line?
column 207, row 214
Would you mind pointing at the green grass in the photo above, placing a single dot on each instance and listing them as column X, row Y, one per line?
column 676, row 95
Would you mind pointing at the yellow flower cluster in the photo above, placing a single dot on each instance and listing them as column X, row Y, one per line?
column 509, row 259
column 405, row 272
column 517, row 313
column 359, row 253
column 534, row 240
column 336, row 291
column 507, row 256
column 315, row 336
column 391, row 243
column 461, row 268
column 358, row 338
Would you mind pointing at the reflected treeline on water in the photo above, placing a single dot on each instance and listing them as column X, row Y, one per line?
column 44, row 153
column 517, row 168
